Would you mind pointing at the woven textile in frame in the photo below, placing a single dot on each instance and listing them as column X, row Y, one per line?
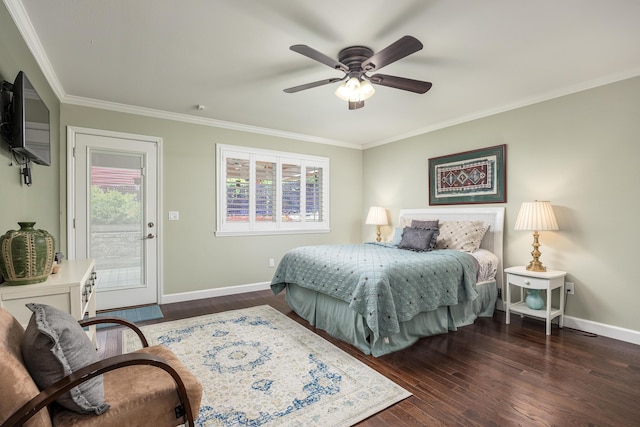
column 477, row 176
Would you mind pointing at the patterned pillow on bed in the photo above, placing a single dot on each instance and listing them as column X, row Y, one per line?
column 418, row 239
column 430, row 225
column 461, row 235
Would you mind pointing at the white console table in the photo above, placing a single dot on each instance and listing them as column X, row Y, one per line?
column 72, row 289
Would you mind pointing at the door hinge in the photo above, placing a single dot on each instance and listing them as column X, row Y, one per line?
column 74, row 223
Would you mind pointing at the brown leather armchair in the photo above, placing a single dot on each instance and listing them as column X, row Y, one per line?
column 147, row 387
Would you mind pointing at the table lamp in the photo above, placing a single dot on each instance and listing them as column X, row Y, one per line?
column 536, row 216
column 377, row 216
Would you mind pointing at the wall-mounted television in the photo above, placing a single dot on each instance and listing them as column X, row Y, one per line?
column 26, row 122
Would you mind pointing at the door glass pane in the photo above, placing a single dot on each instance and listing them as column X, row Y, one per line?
column 116, row 226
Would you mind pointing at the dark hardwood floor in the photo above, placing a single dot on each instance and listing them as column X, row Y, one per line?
column 486, row 374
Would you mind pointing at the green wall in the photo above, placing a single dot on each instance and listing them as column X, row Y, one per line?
column 581, row 152
column 41, row 201
column 194, row 258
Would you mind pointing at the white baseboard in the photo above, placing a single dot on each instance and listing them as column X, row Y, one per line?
column 615, row 332
column 216, row 292
column 609, row 331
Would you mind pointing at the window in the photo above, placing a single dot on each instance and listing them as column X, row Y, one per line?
column 271, row 192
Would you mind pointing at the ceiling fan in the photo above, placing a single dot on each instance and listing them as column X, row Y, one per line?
column 356, row 62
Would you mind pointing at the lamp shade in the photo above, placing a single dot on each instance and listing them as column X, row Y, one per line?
column 536, row 216
column 377, row 216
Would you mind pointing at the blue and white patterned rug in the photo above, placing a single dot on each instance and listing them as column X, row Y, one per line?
column 260, row 368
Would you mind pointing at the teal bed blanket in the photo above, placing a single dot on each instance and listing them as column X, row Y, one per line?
column 384, row 284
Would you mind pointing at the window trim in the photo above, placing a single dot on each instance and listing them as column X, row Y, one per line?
column 251, row 228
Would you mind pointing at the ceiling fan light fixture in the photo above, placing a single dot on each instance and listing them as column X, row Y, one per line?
column 355, row 90
column 366, row 90
column 349, row 90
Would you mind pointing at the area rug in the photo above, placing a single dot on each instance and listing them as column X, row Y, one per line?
column 135, row 315
column 260, row 368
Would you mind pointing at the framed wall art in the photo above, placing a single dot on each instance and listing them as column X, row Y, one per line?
column 477, row 176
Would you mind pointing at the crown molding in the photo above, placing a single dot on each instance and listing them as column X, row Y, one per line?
column 160, row 114
column 20, row 18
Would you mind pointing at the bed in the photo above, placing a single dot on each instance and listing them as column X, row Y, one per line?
column 381, row 298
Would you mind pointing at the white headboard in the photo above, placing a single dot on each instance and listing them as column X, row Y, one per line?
column 494, row 216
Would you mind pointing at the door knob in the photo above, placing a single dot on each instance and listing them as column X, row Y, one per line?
column 149, row 236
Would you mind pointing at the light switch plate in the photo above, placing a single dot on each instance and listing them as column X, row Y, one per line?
column 174, row 215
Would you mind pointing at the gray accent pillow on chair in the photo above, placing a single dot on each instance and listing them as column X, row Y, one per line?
column 55, row 345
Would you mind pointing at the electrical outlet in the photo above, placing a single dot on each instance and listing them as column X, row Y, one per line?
column 569, row 288
column 272, row 263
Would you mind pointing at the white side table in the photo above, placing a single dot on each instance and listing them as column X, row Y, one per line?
column 545, row 280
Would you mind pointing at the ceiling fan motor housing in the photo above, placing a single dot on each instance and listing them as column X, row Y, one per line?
column 353, row 57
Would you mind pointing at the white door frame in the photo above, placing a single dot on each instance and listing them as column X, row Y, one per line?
column 72, row 132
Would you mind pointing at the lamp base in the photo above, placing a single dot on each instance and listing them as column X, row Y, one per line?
column 536, row 265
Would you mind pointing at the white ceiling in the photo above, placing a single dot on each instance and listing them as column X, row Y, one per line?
column 164, row 57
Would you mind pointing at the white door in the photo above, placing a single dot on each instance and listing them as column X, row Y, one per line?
column 114, row 214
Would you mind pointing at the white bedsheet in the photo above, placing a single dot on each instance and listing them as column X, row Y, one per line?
column 488, row 264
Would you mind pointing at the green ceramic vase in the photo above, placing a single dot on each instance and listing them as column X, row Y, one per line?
column 533, row 300
column 26, row 255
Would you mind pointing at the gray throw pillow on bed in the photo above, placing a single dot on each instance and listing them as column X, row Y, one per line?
column 55, row 345
column 418, row 239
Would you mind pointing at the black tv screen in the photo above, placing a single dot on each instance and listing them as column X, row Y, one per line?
column 29, row 122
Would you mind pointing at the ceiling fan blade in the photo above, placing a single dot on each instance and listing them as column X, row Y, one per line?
column 417, row 86
column 311, row 85
column 309, row 52
column 397, row 50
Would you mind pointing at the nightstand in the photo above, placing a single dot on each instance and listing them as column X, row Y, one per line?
column 543, row 280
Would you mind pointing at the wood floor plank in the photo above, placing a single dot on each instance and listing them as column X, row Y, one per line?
column 485, row 374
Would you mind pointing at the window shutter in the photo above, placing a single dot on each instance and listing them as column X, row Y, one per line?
column 265, row 191
column 238, row 190
column 314, row 194
column 291, row 193
column 270, row 192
